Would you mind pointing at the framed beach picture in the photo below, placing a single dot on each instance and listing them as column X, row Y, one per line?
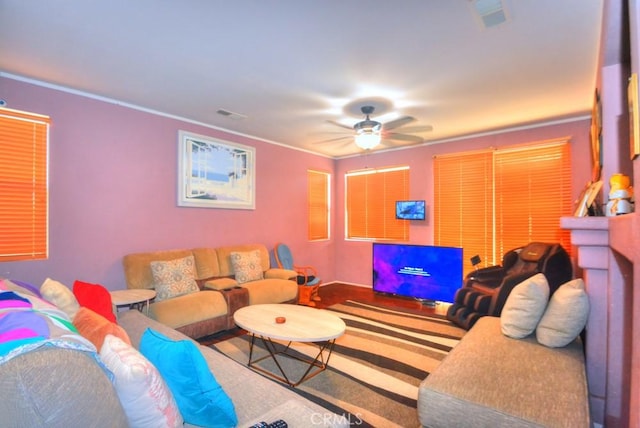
column 214, row 173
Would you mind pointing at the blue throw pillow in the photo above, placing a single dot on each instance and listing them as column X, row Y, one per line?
column 200, row 398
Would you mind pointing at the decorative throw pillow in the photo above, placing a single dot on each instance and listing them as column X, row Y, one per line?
column 200, row 398
column 94, row 327
column 61, row 296
column 565, row 316
column 247, row 266
column 174, row 277
column 524, row 307
column 94, row 297
column 145, row 397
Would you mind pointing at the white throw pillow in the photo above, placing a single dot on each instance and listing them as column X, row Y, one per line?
column 524, row 307
column 174, row 278
column 247, row 266
column 145, row 397
column 60, row 295
column 566, row 315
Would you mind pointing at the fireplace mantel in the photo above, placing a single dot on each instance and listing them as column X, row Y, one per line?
column 605, row 253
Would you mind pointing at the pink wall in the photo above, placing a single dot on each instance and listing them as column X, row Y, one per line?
column 355, row 256
column 113, row 190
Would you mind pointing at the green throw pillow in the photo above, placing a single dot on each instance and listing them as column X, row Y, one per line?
column 201, row 400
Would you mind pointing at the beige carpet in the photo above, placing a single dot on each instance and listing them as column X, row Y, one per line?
column 376, row 366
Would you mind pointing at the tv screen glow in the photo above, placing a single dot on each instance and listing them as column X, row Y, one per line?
column 423, row 272
column 410, row 210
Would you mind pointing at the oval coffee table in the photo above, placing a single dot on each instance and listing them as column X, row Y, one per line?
column 303, row 324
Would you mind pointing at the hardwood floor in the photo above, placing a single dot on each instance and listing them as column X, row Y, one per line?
column 336, row 293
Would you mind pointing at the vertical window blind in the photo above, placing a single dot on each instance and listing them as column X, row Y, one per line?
column 318, row 197
column 23, row 185
column 489, row 202
column 370, row 203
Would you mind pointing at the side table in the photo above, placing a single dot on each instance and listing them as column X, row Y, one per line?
column 138, row 298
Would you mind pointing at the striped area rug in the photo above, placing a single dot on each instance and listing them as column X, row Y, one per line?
column 376, row 366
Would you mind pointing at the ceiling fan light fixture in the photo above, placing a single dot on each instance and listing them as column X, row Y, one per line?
column 368, row 138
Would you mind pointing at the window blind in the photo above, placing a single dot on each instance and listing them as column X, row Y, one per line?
column 23, row 185
column 318, row 198
column 370, row 203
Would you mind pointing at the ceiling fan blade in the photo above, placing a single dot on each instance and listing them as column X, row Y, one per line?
column 404, row 137
column 396, row 123
column 415, row 129
column 330, row 140
column 340, row 125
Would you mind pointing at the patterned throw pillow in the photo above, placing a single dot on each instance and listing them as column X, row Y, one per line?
column 145, row 397
column 247, row 266
column 174, row 277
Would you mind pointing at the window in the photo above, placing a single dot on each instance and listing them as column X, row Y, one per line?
column 24, row 186
column 318, row 197
column 371, row 196
column 489, row 202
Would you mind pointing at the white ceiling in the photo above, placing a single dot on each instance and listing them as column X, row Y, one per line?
column 290, row 66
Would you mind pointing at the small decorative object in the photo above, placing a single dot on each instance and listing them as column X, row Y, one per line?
column 280, row 320
column 213, row 173
column 621, row 199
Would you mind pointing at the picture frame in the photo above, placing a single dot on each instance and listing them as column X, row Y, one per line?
column 634, row 128
column 214, row 173
column 587, row 198
column 596, row 137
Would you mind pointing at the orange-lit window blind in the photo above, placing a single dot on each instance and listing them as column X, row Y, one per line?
column 533, row 190
column 318, row 197
column 489, row 202
column 463, row 203
column 370, row 203
column 23, row 185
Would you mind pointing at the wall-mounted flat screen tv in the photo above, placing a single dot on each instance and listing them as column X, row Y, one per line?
column 410, row 210
column 423, row 272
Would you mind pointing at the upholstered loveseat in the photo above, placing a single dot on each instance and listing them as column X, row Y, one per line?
column 525, row 368
column 57, row 370
column 221, row 287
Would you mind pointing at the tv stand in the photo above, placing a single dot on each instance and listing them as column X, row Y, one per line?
column 427, row 302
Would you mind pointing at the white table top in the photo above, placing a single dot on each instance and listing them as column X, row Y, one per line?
column 131, row 296
column 303, row 324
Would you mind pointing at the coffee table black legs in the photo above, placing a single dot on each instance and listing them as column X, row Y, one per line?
column 320, row 362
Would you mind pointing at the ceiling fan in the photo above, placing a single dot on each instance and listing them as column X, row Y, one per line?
column 369, row 133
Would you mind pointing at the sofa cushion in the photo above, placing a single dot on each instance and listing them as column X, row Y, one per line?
column 95, row 297
column 94, row 327
column 200, row 398
column 565, row 316
column 189, row 308
column 145, row 397
column 61, row 296
column 247, row 266
column 220, row 284
column 137, row 266
column 524, row 307
column 174, row 278
column 224, row 257
column 271, row 291
column 491, row 380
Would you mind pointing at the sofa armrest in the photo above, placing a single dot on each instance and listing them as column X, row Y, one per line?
column 277, row 273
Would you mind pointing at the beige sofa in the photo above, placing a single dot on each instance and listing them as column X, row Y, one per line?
column 490, row 380
column 211, row 309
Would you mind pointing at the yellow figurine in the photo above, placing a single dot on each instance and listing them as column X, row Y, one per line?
column 621, row 199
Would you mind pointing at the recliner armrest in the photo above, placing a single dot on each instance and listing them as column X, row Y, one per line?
column 487, row 277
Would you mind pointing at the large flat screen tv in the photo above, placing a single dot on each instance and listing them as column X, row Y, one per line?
column 423, row 272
